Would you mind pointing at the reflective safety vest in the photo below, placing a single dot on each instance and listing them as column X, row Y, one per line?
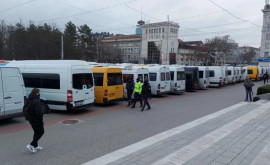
column 138, row 87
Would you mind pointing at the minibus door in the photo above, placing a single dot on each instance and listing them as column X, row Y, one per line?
column 78, row 83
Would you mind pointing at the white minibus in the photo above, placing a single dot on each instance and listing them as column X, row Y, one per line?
column 178, row 79
column 204, row 77
column 12, row 92
column 215, row 76
column 231, row 74
column 159, row 79
column 63, row 84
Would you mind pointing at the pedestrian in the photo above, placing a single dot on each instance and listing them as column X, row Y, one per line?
column 36, row 121
column 146, row 93
column 137, row 93
column 265, row 77
column 248, row 86
column 130, row 88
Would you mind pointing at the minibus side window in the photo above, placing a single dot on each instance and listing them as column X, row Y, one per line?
column 229, row 72
column 211, row 73
column 98, row 79
column 167, row 75
column 146, row 77
column 126, row 77
column 153, row 76
column 81, row 79
column 140, row 76
column 114, row 79
column 181, row 76
column 250, row 71
column 172, row 75
column 201, row 74
column 41, row 80
column 162, row 76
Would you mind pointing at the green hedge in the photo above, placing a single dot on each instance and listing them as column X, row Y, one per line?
column 263, row 89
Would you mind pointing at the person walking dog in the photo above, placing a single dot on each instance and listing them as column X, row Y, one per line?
column 137, row 93
column 146, row 93
column 36, row 120
column 248, row 84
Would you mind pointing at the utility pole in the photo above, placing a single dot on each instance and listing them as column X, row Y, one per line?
column 62, row 47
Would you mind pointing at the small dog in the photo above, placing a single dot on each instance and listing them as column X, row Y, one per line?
column 256, row 99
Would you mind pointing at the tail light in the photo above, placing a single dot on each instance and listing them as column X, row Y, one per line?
column 175, row 84
column 158, row 86
column 106, row 92
column 69, row 96
column 256, row 76
column 220, row 79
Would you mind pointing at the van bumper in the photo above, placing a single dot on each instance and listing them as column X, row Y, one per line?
column 9, row 116
column 71, row 107
column 106, row 101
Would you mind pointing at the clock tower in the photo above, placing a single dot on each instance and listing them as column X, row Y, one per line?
column 265, row 38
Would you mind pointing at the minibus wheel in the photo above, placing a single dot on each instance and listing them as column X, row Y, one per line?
column 45, row 108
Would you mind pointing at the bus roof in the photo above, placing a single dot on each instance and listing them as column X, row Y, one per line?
column 106, row 69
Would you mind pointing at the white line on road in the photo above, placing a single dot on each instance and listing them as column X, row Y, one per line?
column 190, row 151
column 118, row 154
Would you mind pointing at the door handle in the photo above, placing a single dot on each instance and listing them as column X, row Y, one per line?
column 8, row 97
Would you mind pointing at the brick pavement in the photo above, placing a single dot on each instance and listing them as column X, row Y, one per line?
column 239, row 134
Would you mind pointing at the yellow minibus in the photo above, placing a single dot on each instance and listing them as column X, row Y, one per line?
column 108, row 84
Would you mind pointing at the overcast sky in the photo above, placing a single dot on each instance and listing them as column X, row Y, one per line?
column 198, row 19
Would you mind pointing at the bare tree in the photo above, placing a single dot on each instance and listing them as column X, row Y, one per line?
column 109, row 54
column 248, row 56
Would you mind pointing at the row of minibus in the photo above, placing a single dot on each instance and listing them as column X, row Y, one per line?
column 75, row 84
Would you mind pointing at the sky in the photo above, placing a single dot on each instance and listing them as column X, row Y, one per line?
column 198, row 19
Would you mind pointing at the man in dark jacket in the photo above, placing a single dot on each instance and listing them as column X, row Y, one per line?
column 248, row 84
column 130, row 88
column 37, row 120
column 146, row 93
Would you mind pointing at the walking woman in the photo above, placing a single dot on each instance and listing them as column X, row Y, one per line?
column 36, row 121
column 248, row 84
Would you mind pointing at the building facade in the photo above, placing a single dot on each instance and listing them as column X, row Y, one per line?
column 128, row 44
column 159, row 43
column 265, row 38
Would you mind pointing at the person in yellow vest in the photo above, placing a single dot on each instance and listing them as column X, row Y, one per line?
column 137, row 92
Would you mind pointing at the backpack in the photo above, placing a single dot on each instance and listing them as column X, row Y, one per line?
column 27, row 112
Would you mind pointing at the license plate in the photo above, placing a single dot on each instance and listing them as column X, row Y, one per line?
column 79, row 103
column 162, row 87
column 178, row 86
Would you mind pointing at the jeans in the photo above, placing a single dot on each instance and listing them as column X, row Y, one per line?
column 248, row 93
column 38, row 128
column 129, row 94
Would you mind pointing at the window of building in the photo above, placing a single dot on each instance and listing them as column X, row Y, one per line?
column 266, row 54
column 146, row 31
column 163, row 30
column 267, row 45
column 268, row 26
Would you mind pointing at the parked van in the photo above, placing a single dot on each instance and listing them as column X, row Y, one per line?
column 12, row 92
column 63, row 84
column 204, row 77
column 108, row 84
column 215, row 76
column 253, row 72
column 133, row 72
column 178, row 79
column 159, row 79
column 225, row 75
column 238, row 74
column 192, row 78
column 231, row 74
column 243, row 73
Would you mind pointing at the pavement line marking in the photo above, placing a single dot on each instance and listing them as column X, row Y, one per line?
column 188, row 152
column 263, row 157
column 118, row 154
